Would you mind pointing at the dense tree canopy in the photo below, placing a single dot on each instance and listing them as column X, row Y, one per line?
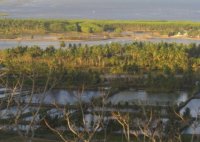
column 165, row 62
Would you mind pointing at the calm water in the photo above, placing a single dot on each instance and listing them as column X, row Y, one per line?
column 145, row 98
column 43, row 44
column 9, row 44
column 63, row 97
column 71, row 97
column 194, row 128
column 177, row 40
column 103, row 9
column 194, row 106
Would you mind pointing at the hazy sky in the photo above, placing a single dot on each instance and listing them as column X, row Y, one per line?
column 103, row 9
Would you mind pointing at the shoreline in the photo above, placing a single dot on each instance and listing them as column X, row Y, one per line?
column 45, row 38
column 92, row 38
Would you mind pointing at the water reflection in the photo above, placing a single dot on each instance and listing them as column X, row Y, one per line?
column 43, row 44
column 63, row 97
column 132, row 97
column 194, row 106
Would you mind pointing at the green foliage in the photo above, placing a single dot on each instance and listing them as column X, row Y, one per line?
column 163, row 65
column 35, row 51
column 57, row 27
column 13, row 27
column 131, row 68
column 62, row 44
column 118, row 30
column 90, row 28
column 71, row 28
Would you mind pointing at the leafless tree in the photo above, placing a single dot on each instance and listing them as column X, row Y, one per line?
column 84, row 130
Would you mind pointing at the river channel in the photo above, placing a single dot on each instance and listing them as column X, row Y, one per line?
column 43, row 44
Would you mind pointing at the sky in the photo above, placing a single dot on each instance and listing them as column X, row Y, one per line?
column 103, row 9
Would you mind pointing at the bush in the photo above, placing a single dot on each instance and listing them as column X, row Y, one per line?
column 90, row 28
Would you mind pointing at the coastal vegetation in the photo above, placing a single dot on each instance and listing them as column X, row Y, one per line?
column 13, row 28
column 31, row 72
column 170, row 66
